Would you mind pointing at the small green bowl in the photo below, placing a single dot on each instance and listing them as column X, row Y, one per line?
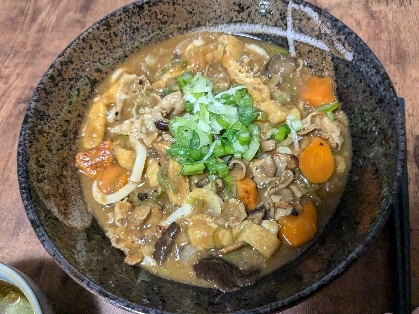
column 32, row 292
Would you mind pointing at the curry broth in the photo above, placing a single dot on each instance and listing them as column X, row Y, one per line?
column 151, row 63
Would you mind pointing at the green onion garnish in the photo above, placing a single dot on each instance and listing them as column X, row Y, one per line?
column 215, row 125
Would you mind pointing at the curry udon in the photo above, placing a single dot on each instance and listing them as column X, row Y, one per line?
column 211, row 159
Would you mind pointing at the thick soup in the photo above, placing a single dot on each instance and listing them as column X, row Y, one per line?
column 212, row 159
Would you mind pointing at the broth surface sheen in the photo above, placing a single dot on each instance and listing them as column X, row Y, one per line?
column 212, row 151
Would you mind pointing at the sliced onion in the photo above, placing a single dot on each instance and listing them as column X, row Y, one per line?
column 183, row 211
column 186, row 253
column 257, row 49
column 106, row 199
column 148, row 261
column 140, row 157
column 284, row 150
column 212, row 201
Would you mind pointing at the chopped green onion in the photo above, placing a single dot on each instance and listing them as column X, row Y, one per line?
column 244, row 138
column 189, row 106
column 253, row 148
column 221, row 120
column 192, row 169
column 228, row 149
column 254, row 130
column 230, row 186
column 215, row 125
column 239, row 148
column 329, row 107
column 165, row 182
column 282, row 132
column 180, row 62
column 120, row 137
column 185, row 78
column 218, row 150
column 294, row 122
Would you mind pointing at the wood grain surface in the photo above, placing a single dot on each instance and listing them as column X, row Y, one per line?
column 33, row 33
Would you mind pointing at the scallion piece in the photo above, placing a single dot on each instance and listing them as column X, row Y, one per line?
column 189, row 106
column 329, row 107
column 282, row 132
column 166, row 183
column 221, row 120
column 192, row 169
column 253, row 149
column 230, row 185
column 244, row 138
column 215, row 125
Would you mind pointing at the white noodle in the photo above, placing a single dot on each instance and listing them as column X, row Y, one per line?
column 135, row 178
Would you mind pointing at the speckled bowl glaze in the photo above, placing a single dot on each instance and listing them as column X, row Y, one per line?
column 50, row 186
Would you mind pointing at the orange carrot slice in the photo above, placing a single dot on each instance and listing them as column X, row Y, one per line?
column 297, row 230
column 317, row 91
column 94, row 160
column 317, row 162
column 247, row 192
column 112, row 178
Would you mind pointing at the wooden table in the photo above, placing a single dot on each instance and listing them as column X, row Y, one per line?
column 33, row 33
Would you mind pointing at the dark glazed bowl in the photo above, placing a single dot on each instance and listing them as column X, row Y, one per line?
column 51, row 191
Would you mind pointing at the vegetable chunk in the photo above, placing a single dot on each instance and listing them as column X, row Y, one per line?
column 247, row 192
column 297, row 230
column 318, row 91
column 94, row 160
column 317, row 161
column 112, row 178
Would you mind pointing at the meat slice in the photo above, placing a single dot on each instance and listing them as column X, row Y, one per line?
column 224, row 275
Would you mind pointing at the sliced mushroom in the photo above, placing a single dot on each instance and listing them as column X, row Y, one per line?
column 162, row 125
column 267, row 146
column 237, row 169
column 165, row 243
column 199, row 180
column 256, row 215
column 283, row 66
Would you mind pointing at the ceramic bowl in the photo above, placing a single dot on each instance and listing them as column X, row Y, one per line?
column 32, row 292
column 50, row 187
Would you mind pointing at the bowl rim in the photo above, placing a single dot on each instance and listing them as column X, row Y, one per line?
column 93, row 287
column 15, row 277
